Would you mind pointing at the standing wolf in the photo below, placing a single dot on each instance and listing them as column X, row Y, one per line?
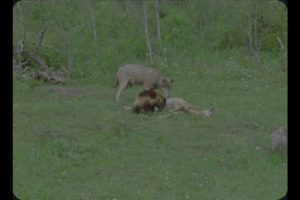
column 150, row 78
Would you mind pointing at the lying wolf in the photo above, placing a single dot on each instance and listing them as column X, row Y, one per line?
column 150, row 78
column 175, row 104
column 148, row 101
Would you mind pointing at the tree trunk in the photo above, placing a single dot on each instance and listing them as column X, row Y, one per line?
column 252, row 34
column 256, row 45
column 93, row 23
column 18, row 61
column 157, row 20
column 146, row 30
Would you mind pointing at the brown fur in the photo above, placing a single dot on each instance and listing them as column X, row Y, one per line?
column 179, row 104
column 138, row 74
column 148, row 93
column 148, row 100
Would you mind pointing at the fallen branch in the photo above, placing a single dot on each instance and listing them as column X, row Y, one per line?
column 37, row 58
column 283, row 52
column 47, row 76
column 282, row 47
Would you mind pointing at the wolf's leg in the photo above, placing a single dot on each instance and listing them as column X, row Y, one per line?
column 121, row 87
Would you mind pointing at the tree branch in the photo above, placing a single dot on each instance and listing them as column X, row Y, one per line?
column 93, row 24
column 157, row 20
column 146, row 29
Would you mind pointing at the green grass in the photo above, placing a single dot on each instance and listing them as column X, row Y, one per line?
column 74, row 142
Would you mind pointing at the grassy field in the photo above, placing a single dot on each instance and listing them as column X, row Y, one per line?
column 73, row 141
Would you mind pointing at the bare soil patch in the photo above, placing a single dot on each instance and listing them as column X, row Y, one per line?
column 66, row 91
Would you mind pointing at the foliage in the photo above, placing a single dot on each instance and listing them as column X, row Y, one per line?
column 187, row 27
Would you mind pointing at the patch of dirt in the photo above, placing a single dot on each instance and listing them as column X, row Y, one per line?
column 66, row 91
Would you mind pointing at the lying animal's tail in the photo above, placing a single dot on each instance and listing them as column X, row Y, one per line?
column 127, row 108
column 208, row 113
column 193, row 111
column 205, row 113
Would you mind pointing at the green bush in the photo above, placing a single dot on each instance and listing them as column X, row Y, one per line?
column 188, row 29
